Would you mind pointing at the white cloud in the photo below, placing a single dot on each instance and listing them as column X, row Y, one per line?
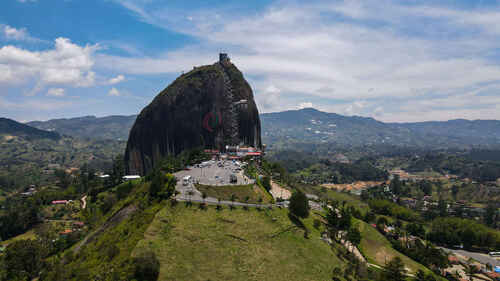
column 56, row 92
column 27, row 1
column 67, row 64
column 116, row 80
column 114, row 92
column 302, row 49
column 16, row 34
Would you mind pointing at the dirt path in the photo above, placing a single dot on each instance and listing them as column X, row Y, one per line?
column 84, row 202
column 111, row 222
column 277, row 191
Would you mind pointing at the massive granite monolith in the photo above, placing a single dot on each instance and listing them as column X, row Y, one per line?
column 194, row 111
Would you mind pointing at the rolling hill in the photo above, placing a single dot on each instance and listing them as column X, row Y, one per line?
column 27, row 152
column 311, row 126
column 9, row 127
column 109, row 127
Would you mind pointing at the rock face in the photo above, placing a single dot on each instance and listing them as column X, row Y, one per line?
column 193, row 111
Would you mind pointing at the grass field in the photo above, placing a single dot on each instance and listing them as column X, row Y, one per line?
column 254, row 192
column 351, row 200
column 329, row 194
column 194, row 244
column 378, row 250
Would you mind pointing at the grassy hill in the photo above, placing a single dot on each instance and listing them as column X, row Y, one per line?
column 10, row 127
column 196, row 244
column 378, row 250
column 235, row 245
column 224, row 192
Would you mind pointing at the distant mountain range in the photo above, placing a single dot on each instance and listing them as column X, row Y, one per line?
column 14, row 128
column 109, row 127
column 314, row 127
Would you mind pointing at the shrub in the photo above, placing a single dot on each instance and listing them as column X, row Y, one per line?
column 317, row 223
column 147, row 267
column 299, row 205
column 111, row 251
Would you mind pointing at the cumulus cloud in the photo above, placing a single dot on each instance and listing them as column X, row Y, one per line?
column 114, row 92
column 56, row 92
column 116, row 80
column 66, row 64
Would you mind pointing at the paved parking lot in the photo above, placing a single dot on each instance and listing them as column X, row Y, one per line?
column 216, row 173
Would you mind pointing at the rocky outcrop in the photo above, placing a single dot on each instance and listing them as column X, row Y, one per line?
column 193, row 111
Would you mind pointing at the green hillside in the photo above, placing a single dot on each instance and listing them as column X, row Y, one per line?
column 13, row 128
column 194, row 244
column 378, row 250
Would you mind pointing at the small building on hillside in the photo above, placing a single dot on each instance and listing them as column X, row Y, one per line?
column 78, row 224
column 66, row 232
column 131, row 177
column 453, row 259
column 60, row 202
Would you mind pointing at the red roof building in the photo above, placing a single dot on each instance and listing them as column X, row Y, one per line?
column 453, row 260
column 66, row 231
column 59, row 202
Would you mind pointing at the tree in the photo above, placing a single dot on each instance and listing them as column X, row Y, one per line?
column 426, row 187
column 421, row 276
column 415, row 229
column 147, row 267
column 468, row 238
column 162, row 186
column 118, row 170
column 454, row 191
column 396, row 186
column 204, row 196
column 490, row 215
column 299, row 204
column 394, row 270
column 442, row 207
column 354, row 236
column 233, row 198
column 24, row 259
column 369, row 216
column 266, row 182
column 332, row 219
column 345, row 219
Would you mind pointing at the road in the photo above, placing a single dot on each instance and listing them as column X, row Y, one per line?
column 480, row 257
column 84, row 202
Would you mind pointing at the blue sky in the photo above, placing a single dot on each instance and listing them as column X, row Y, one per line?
column 391, row 60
